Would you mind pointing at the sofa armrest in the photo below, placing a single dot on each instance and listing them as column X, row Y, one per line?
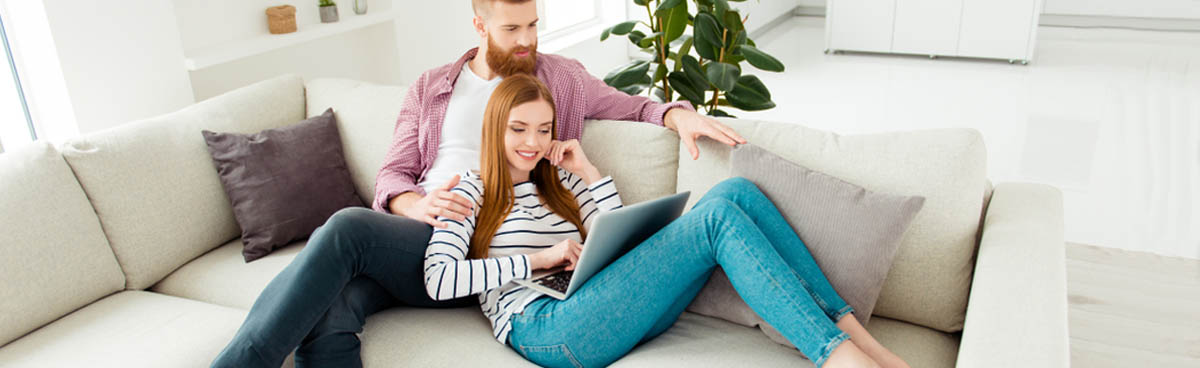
column 1017, row 311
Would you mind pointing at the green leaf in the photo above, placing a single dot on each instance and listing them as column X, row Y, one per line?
column 750, row 94
column 668, row 4
column 738, row 41
column 706, row 31
column 674, row 22
column 659, row 73
column 760, row 59
column 719, row 113
column 683, row 50
column 636, row 37
column 638, row 87
column 628, row 74
column 618, row 29
column 641, row 2
column 648, row 41
column 724, row 76
column 623, row 27
column 732, row 21
column 695, row 74
column 682, row 84
column 720, row 7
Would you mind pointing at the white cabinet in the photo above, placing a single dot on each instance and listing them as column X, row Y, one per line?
column 996, row 29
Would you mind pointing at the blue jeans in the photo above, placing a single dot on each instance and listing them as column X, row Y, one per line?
column 357, row 263
column 641, row 294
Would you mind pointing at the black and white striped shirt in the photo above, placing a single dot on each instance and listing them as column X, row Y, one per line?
column 528, row 228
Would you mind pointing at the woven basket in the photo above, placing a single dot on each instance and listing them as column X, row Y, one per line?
column 281, row 19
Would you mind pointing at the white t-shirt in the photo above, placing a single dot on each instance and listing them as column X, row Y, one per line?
column 461, row 130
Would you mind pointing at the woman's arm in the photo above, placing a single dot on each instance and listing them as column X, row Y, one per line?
column 448, row 272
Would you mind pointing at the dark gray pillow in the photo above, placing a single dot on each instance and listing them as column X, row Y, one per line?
column 283, row 183
column 852, row 233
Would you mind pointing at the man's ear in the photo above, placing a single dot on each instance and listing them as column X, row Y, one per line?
column 480, row 26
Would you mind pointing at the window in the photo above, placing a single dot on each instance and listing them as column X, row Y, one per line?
column 564, row 16
column 16, row 126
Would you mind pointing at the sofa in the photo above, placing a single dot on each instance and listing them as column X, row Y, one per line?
column 120, row 248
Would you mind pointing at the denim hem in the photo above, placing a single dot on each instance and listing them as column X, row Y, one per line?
column 827, row 350
column 842, row 313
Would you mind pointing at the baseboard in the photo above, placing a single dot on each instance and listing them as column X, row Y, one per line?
column 1091, row 21
column 1075, row 21
column 783, row 17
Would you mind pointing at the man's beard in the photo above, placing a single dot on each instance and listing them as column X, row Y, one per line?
column 507, row 63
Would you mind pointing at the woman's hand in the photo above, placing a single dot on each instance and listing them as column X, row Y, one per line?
column 569, row 156
column 566, row 252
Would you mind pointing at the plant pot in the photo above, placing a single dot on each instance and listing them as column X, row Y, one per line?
column 329, row 14
column 360, row 7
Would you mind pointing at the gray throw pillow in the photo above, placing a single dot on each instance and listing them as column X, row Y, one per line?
column 852, row 233
column 284, row 182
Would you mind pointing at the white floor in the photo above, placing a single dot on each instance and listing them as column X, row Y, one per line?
column 1112, row 117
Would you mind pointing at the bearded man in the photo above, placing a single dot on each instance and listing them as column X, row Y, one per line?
column 362, row 261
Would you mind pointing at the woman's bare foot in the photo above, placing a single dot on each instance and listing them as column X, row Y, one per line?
column 847, row 354
column 863, row 340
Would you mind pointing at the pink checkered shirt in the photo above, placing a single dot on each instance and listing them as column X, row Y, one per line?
column 418, row 133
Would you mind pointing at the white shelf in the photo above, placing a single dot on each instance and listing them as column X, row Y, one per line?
column 223, row 53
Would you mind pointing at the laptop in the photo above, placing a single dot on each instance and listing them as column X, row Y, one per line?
column 612, row 234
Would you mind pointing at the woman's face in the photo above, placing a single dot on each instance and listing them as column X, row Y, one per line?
column 527, row 137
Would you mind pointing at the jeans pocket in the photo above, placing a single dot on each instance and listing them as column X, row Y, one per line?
column 550, row 356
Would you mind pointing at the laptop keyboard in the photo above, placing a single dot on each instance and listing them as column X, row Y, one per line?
column 557, row 281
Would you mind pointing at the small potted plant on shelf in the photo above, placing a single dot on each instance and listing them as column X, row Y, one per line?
column 329, row 12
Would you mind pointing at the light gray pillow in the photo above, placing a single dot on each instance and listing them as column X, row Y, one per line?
column 852, row 233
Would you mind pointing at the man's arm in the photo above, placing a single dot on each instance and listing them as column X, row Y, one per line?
column 605, row 102
column 402, row 164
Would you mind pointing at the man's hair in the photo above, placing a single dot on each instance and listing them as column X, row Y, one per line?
column 483, row 8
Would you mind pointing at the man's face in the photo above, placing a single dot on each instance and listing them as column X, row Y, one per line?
column 512, row 38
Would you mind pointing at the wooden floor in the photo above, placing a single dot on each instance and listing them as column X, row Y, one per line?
column 1132, row 309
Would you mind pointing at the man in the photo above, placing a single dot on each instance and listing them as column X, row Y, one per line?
column 363, row 261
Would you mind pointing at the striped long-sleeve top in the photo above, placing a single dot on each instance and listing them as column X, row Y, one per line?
column 529, row 227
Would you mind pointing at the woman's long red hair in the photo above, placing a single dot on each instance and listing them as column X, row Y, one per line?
column 497, row 182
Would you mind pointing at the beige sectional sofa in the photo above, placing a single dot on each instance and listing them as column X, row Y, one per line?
column 119, row 248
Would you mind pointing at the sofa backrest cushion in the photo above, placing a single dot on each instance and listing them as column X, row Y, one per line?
column 641, row 158
column 154, row 185
column 53, row 253
column 931, row 273
column 366, row 115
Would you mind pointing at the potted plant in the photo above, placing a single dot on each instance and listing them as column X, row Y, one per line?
column 329, row 12
column 711, row 79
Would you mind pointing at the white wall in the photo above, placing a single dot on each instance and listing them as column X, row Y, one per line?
column 93, row 65
column 121, row 62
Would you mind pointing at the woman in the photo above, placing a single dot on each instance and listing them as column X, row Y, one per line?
column 532, row 216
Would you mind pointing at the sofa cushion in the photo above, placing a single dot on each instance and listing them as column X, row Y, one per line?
column 152, row 181
column 436, row 338
column 641, row 158
column 129, row 329
column 852, row 234
column 366, row 115
column 284, row 182
column 53, row 253
column 931, row 273
column 221, row 277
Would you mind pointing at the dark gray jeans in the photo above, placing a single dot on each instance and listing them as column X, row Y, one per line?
column 358, row 263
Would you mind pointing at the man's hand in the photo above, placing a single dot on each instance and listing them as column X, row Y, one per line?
column 440, row 202
column 691, row 126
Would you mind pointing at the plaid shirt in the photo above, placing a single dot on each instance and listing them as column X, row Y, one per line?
column 418, row 133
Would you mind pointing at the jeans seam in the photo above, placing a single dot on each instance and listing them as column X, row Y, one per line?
column 788, row 296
